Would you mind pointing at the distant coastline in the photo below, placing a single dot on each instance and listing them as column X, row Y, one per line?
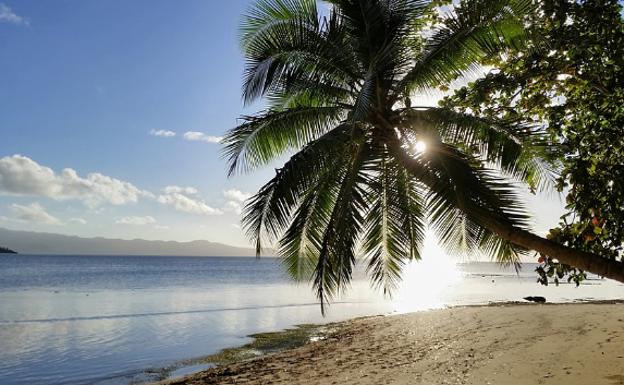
column 6, row 250
column 29, row 242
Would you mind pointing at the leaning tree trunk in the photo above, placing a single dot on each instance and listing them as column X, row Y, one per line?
column 592, row 263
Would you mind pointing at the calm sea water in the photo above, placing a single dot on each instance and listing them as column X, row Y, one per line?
column 111, row 320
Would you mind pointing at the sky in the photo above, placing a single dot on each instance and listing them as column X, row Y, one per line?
column 110, row 114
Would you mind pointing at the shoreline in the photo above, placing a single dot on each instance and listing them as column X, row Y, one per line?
column 261, row 345
column 299, row 362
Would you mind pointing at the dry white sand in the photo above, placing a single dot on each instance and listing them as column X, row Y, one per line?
column 507, row 344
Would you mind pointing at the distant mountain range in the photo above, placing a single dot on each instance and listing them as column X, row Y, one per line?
column 27, row 242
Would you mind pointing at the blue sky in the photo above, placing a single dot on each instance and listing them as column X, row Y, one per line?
column 82, row 85
column 108, row 114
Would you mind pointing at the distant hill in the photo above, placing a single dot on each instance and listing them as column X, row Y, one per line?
column 4, row 250
column 28, row 242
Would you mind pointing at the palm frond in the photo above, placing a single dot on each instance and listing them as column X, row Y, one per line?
column 301, row 243
column 286, row 45
column 268, row 212
column 268, row 14
column 535, row 166
column 501, row 250
column 410, row 204
column 473, row 30
column 462, row 195
column 395, row 227
column 261, row 139
column 304, row 92
column 518, row 150
column 363, row 105
column 337, row 253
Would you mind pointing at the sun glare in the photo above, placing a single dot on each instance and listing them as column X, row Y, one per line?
column 426, row 283
column 420, row 147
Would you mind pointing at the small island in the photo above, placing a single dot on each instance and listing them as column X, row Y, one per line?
column 5, row 250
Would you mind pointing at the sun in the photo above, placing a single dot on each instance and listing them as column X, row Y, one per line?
column 420, row 146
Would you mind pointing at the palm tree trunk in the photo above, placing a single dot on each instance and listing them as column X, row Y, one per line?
column 589, row 262
column 592, row 263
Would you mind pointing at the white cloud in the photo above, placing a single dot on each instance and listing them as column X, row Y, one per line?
column 33, row 212
column 236, row 195
column 236, row 198
column 181, row 190
column 233, row 206
column 196, row 136
column 160, row 227
column 184, row 199
column 20, row 175
column 8, row 16
column 79, row 221
column 136, row 221
column 163, row 133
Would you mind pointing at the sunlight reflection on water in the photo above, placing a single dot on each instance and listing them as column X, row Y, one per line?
column 424, row 285
column 425, row 282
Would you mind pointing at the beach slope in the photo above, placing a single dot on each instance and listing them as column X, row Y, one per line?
column 507, row 344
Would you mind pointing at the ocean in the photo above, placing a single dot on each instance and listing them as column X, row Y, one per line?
column 111, row 320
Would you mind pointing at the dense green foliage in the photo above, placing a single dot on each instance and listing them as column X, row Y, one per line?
column 338, row 91
column 571, row 80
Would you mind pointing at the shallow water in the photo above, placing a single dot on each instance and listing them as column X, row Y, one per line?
column 113, row 320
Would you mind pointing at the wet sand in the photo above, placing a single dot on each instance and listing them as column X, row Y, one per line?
column 507, row 344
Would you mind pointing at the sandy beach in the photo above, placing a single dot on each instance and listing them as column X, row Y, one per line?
column 506, row 344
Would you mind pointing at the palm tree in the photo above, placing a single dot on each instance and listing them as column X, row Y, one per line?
column 371, row 171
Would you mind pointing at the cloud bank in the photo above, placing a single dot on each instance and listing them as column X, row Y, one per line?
column 20, row 175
